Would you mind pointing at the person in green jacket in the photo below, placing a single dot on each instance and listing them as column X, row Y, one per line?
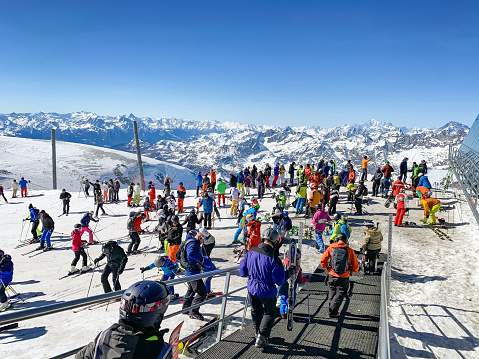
column 340, row 226
column 301, row 192
column 221, row 189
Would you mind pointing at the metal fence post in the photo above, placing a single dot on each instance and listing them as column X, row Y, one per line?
column 390, row 242
column 223, row 306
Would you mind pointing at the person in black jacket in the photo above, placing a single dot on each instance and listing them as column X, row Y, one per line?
column 65, row 197
column 48, row 227
column 254, row 174
column 191, row 221
column 115, row 264
column 403, row 169
column 175, row 232
column 377, row 181
column 137, row 334
column 233, row 180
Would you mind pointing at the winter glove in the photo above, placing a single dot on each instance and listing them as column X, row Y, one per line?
column 142, row 269
column 95, row 261
column 121, row 270
column 51, row 231
column 84, row 242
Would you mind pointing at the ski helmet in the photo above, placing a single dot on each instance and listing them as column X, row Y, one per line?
column 90, row 212
column 270, row 235
column 317, row 207
column 277, row 211
column 147, row 198
column 144, row 303
column 142, row 215
column 175, row 219
column 181, row 183
column 108, row 246
column 249, row 217
column 341, row 237
column 192, row 210
column 256, row 205
column 77, row 226
column 220, row 179
column 285, row 213
column 337, row 217
column 160, row 261
column 204, row 232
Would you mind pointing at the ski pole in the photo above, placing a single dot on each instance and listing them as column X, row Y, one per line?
column 26, row 233
column 91, row 280
column 21, row 232
column 246, row 305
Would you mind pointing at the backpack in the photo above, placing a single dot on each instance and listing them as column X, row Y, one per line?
column 345, row 229
column 339, row 260
column 181, row 256
column 364, row 192
column 130, row 224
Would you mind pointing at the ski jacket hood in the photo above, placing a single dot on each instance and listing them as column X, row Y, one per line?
column 372, row 239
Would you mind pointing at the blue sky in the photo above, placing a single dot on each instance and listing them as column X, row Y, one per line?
column 322, row 63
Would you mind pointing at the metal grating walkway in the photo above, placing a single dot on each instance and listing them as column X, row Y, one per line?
column 352, row 335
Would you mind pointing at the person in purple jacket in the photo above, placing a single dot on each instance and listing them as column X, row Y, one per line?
column 264, row 271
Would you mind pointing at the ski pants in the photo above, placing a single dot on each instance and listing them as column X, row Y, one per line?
column 384, row 187
column 66, row 207
column 432, row 212
column 3, row 195
column 207, row 220
column 198, row 189
column 167, row 277
column 78, row 253
column 172, row 250
column 233, row 206
column 291, row 178
column 238, row 232
column 14, row 193
column 262, row 312
column 195, row 287
column 3, row 296
column 241, row 187
column 283, row 307
column 371, row 257
column 23, row 192
column 319, row 240
column 35, row 229
column 364, row 175
column 115, row 277
column 105, row 194
column 267, row 181
column 260, row 191
column 275, row 179
column 111, row 194
column 338, row 288
column 46, row 234
column 180, row 204
column 281, row 178
column 90, row 233
column 358, row 203
column 128, row 202
column 403, row 176
column 136, row 200
column 98, row 207
column 300, row 204
column 135, row 242
column 399, row 216
column 208, row 248
column 375, row 188
column 332, row 205
column 221, row 196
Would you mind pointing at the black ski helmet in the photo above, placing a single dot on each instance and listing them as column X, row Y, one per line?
column 76, row 226
column 175, row 219
column 160, row 261
column 341, row 237
column 144, row 303
column 270, row 235
column 108, row 246
column 337, row 217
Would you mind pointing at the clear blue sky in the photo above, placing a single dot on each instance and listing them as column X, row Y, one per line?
column 321, row 63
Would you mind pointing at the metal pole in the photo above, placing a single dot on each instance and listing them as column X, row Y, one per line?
column 138, row 154
column 390, row 242
column 54, row 160
column 223, row 306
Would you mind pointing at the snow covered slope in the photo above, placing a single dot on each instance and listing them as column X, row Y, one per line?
column 32, row 159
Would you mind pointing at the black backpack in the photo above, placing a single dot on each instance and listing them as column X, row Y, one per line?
column 181, row 256
column 340, row 259
column 130, row 224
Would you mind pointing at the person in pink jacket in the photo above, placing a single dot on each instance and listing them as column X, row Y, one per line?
column 319, row 221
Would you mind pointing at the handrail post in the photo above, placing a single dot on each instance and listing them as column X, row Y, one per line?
column 223, row 306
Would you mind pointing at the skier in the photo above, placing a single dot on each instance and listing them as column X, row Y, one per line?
column 2, row 194
column 431, row 206
column 148, row 207
column 402, row 205
column 320, row 218
column 233, row 180
column 372, row 245
column 86, row 184
column 191, row 260
column 77, row 248
column 129, row 194
column 340, row 226
column 115, row 264
column 6, row 276
column 361, row 192
column 364, row 166
column 96, row 189
column 207, row 202
column 199, row 183
column 423, row 167
column 282, row 172
column 99, row 205
column 283, row 289
column 286, row 226
column 111, row 191
column 181, row 194
column 137, row 334
column 254, row 211
column 221, row 189
column 47, row 229
column 247, row 185
column 384, row 187
column 291, row 171
column 424, row 182
column 253, row 231
column 205, row 182
column 315, row 198
column 234, row 196
column 262, row 284
column 175, row 232
column 134, row 228
column 33, row 217
column 169, row 268
column 397, row 186
column 65, row 197
column 260, row 179
column 340, row 262
column 14, row 188
column 23, row 187
column 152, row 191
column 267, row 174
column 85, row 226
column 403, row 169
column 254, row 174
column 377, row 181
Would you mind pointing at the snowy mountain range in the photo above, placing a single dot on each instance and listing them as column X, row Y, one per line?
column 229, row 146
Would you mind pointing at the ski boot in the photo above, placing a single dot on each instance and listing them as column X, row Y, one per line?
column 73, row 270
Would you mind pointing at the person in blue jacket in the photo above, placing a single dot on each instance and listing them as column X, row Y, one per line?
column 196, row 292
column 326, row 169
column 33, row 217
column 169, row 268
column 6, row 276
column 254, row 211
column 85, row 226
column 264, row 271
column 207, row 202
column 23, row 187
column 199, row 183
column 424, row 181
column 240, row 181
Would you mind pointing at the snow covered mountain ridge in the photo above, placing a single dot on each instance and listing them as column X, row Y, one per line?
column 200, row 145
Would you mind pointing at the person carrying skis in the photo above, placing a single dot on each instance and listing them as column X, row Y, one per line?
column 340, row 261
column 262, row 284
column 14, row 188
column 47, row 229
column 35, row 221
column 431, row 206
column 85, row 226
column 77, row 248
column 134, row 228
column 137, row 334
column 377, row 181
column 340, row 226
column 402, row 205
column 65, row 197
column 403, row 169
column 115, row 264
column 320, row 218
column 169, row 269
column 23, row 187
column 6, row 276
column 148, row 207
column 372, row 245
column 364, row 166
column 129, row 194
column 175, row 232
column 291, row 171
column 283, row 289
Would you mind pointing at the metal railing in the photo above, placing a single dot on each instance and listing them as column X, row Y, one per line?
column 17, row 316
column 383, row 335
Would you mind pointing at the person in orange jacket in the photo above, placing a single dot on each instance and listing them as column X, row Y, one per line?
column 152, row 193
column 352, row 175
column 341, row 262
column 213, row 179
column 364, row 166
column 180, row 194
column 254, row 231
column 431, row 206
column 423, row 192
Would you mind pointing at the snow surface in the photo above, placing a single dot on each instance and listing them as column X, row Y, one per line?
column 434, row 295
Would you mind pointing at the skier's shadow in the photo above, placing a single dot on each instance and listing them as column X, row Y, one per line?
column 22, row 334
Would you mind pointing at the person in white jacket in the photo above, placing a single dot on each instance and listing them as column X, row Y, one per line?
column 136, row 194
column 104, row 187
column 14, row 188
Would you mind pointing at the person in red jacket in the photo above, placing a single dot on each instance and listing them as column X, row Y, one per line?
column 181, row 193
column 402, row 204
column 254, row 231
column 387, row 170
column 397, row 186
column 341, row 262
column 152, row 193
column 352, row 175
column 77, row 248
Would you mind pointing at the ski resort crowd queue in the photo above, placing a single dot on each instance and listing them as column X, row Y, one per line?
column 187, row 243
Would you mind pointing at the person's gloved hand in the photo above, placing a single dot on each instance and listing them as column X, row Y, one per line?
column 51, row 231
column 142, row 269
column 95, row 261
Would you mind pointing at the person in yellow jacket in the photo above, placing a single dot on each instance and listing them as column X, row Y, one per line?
column 301, row 192
column 315, row 197
column 431, row 206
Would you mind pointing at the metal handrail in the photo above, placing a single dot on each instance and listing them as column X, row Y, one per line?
column 14, row 317
column 383, row 340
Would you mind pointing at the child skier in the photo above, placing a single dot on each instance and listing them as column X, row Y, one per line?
column 148, row 207
column 169, row 268
column 77, row 248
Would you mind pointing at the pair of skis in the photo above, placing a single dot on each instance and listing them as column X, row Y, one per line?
column 441, row 234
